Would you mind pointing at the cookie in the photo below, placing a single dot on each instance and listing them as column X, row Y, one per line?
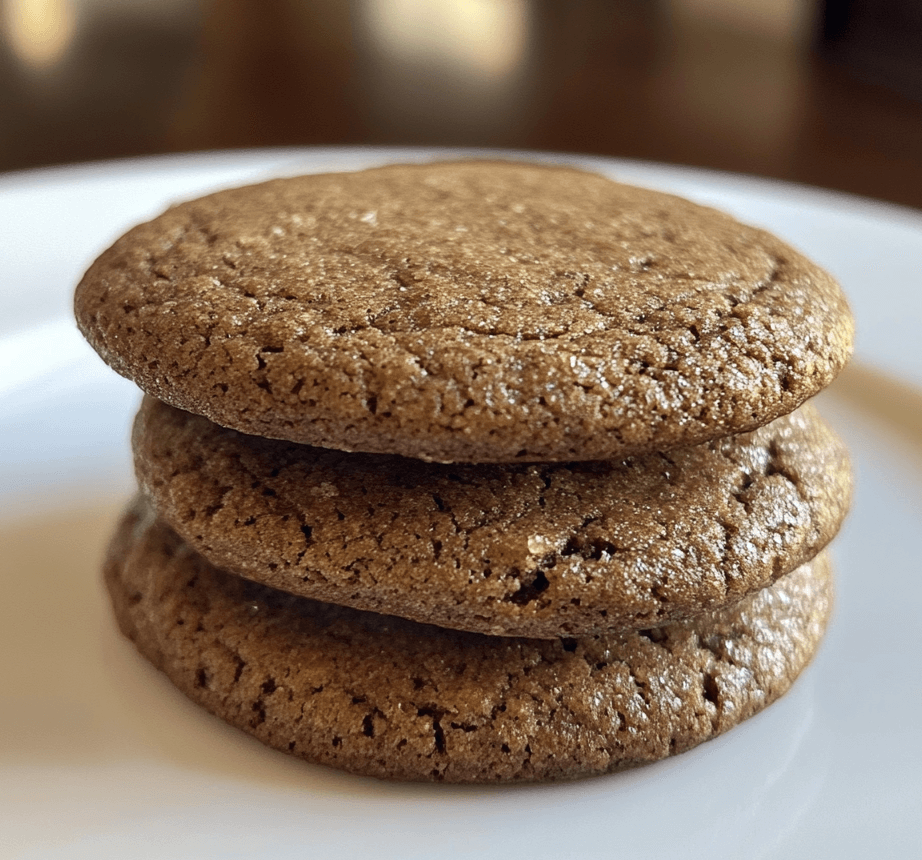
column 549, row 550
column 391, row 698
column 466, row 312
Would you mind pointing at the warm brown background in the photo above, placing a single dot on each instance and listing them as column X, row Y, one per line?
column 827, row 92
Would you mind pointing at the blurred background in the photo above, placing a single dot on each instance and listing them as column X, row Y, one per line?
column 827, row 92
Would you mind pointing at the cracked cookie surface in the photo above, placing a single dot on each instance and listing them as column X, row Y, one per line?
column 390, row 698
column 541, row 550
column 466, row 312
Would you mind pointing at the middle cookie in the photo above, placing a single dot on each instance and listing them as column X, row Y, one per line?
column 537, row 550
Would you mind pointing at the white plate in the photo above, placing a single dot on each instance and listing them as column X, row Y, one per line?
column 100, row 757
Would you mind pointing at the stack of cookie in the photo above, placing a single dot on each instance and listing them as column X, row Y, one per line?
column 473, row 471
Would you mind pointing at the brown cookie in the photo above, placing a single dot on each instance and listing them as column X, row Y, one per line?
column 520, row 549
column 468, row 311
column 391, row 698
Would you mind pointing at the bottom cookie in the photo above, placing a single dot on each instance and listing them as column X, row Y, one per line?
column 391, row 698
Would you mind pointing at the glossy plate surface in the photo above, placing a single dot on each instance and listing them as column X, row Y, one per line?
column 100, row 757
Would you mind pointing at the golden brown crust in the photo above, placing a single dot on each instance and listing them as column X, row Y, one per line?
column 527, row 550
column 470, row 312
column 391, row 698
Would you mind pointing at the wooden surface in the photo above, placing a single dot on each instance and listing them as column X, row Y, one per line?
column 597, row 76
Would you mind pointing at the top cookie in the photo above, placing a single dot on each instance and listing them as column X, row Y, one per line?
column 466, row 312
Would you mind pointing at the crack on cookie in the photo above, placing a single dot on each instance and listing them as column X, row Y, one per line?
column 259, row 714
column 531, row 586
column 438, row 733
column 369, row 729
column 710, row 689
column 656, row 635
column 590, row 549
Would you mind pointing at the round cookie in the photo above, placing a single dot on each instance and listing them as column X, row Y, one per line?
column 391, row 698
column 466, row 312
column 549, row 550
